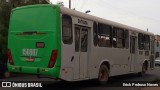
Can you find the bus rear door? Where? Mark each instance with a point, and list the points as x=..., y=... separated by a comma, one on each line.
x=133, y=52
x=81, y=55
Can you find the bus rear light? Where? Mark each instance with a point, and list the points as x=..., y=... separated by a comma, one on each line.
x=10, y=59
x=53, y=59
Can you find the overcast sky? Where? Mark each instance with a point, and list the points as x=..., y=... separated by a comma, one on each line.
x=140, y=14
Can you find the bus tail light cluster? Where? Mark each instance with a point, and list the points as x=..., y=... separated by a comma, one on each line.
x=10, y=59
x=53, y=58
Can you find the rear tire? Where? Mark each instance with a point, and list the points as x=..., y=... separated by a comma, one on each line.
x=144, y=69
x=103, y=74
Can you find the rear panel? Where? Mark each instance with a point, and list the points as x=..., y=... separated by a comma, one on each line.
x=34, y=36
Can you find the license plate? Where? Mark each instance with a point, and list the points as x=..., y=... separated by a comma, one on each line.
x=29, y=59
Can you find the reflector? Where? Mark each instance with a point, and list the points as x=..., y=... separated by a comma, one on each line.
x=40, y=45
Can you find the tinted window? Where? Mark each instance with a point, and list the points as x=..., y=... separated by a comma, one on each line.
x=126, y=37
x=132, y=44
x=84, y=39
x=77, y=39
x=118, y=38
x=104, y=35
x=140, y=41
x=67, y=29
x=146, y=42
x=95, y=36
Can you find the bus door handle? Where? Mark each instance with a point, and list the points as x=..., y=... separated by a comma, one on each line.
x=72, y=58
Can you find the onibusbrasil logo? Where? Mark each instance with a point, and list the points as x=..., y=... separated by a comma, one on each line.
x=20, y=84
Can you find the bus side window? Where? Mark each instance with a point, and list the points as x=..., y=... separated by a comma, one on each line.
x=126, y=37
x=146, y=42
x=95, y=34
x=118, y=38
x=77, y=39
x=114, y=37
x=67, y=29
x=140, y=41
x=104, y=35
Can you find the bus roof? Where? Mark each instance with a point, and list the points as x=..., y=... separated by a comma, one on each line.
x=33, y=6
x=71, y=12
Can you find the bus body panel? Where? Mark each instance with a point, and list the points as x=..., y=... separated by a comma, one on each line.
x=121, y=58
x=76, y=63
x=34, y=33
x=45, y=28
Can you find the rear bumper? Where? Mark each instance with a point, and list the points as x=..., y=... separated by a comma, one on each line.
x=53, y=72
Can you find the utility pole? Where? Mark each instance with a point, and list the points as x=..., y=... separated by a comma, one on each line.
x=70, y=4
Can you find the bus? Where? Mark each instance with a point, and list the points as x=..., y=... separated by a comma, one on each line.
x=61, y=43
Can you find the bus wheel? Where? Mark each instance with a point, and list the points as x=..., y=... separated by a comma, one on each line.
x=103, y=74
x=143, y=72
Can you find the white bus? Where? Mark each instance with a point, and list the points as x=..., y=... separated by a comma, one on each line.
x=103, y=48
x=70, y=45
